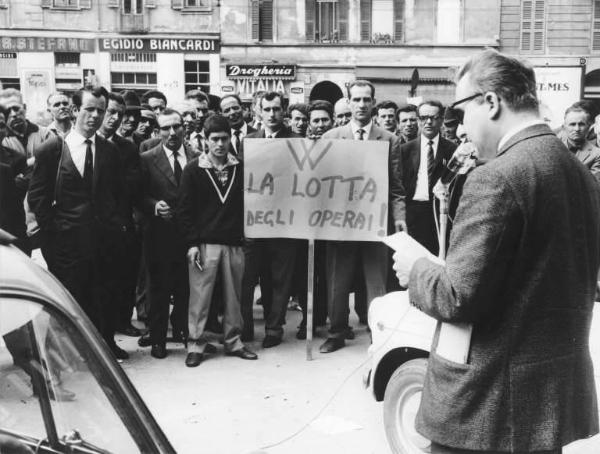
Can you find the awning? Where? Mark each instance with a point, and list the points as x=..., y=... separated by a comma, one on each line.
x=428, y=75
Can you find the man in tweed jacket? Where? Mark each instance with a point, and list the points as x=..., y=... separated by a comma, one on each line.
x=521, y=268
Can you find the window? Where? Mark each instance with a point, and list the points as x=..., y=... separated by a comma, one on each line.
x=133, y=6
x=67, y=59
x=132, y=80
x=196, y=3
x=197, y=75
x=147, y=57
x=596, y=26
x=399, y=20
x=533, y=23
x=326, y=20
x=262, y=20
x=420, y=18
x=65, y=3
x=365, y=20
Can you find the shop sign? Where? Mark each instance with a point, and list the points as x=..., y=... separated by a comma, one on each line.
x=557, y=88
x=283, y=72
x=36, y=87
x=246, y=87
x=67, y=72
x=46, y=44
x=196, y=45
x=8, y=55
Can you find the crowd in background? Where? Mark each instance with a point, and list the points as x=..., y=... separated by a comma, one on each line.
x=137, y=207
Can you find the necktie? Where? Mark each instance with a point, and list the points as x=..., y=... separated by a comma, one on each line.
x=176, y=167
x=361, y=134
x=430, y=162
x=236, y=140
x=88, y=167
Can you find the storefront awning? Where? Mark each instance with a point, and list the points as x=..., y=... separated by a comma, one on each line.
x=429, y=75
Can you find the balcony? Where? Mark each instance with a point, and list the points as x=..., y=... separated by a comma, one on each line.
x=133, y=23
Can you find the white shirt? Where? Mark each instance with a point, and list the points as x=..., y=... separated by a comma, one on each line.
x=181, y=158
x=422, y=189
x=511, y=132
x=366, y=128
x=243, y=133
x=78, y=147
x=271, y=134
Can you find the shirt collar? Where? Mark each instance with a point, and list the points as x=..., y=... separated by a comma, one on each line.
x=169, y=152
x=366, y=128
x=435, y=141
x=243, y=129
x=77, y=139
x=520, y=127
x=205, y=163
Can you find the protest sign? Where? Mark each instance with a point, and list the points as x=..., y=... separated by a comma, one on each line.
x=315, y=189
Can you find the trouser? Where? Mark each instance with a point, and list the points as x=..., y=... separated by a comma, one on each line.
x=421, y=224
x=126, y=274
x=165, y=279
x=343, y=258
x=229, y=261
x=440, y=449
x=319, y=279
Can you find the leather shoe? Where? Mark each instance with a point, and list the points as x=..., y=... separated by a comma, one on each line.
x=119, y=352
x=243, y=353
x=158, y=351
x=332, y=344
x=210, y=349
x=130, y=331
x=145, y=340
x=193, y=359
x=271, y=341
x=350, y=333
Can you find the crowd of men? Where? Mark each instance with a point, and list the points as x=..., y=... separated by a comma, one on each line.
x=138, y=204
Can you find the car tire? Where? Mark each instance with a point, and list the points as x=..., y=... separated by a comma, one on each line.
x=400, y=404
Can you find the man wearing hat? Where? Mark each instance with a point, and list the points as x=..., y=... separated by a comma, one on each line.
x=146, y=125
x=132, y=115
x=450, y=126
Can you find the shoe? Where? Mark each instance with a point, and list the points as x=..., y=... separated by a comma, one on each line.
x=158, y=351
x=193, y=359
x=350, y=333
x=301, y=334
x=243, y=353
x=145, y=340
x=118, y=352
x=130, y=331
x=210, y=349
x=332, y=344
x=271, y=341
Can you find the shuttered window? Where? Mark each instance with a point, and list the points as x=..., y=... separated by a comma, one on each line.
x=326, y=21
x=533, y=24
x=365, y=20
x=343, y=11
x=261, y=12
x=309, y=13
x=398, y=21
x=596, y=26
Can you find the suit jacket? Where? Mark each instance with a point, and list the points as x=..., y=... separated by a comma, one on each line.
x=589, y=155
x=129, y=160
x=12, y=214
x=522, y=268
x=46, y=184
x=284, y=133
x=411, y=159
x=148, y=144
x=396, y=186
x=162, y=238
x=240, y=152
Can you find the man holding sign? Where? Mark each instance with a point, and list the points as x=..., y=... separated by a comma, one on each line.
x=344, y=256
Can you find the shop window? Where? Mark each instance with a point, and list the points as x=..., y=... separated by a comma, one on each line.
x=133, y=6
x=262, y=19
x=143, y=57
x=596, y=26
x=326, y=20
x=197, y=75
x=8, y=82
x=132, y=80
x=67, y=59
x=533, y=23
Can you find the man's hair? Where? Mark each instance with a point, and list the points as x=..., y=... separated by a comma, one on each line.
x=406, y=108
x=321, y=105
x=53, y=94
x=10, y=93
x=116, y=97
x=198, y=95
x=232, y=95
x=361, y=83
x=3, y=111
x=386, y=105
x=216, y=123
x=582, y=106
x=184, y=106
x=168, y=111
x=433, y=103
x=153, y=94
x=270, y=96
x=511, y=79
x=96, y=92
x=300, y=107
x=257, y=96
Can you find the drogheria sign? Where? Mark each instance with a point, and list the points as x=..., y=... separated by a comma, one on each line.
x=282, y=72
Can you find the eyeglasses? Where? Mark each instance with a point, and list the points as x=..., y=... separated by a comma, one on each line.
x=426, y=118
x=168, y=128
x=460, y=114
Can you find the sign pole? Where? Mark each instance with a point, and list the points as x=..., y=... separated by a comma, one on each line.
x=309, y=298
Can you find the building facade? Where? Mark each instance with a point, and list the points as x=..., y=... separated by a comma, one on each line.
x=48, y=45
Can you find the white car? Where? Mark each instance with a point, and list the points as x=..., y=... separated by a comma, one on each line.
x=402, y=337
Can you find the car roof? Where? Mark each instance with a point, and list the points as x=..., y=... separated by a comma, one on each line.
x=19, y=275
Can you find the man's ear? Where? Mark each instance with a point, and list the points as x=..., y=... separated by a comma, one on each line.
x=492, y=102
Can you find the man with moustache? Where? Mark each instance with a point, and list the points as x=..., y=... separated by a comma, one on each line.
x=521, y=269
x=342, y=112
x=163, y=242
x=146, y=125
x=278, y=253
x=408, y=124
x=423, y=161
x=74, y=193
x=386, y=116
x=59, y=106
x=128, y=250
x=231, y=108
x=576, y=127
x=345, y=258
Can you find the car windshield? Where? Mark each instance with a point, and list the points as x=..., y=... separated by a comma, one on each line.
x=48, y=382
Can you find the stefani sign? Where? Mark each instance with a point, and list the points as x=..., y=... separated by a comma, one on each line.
x=324, y=189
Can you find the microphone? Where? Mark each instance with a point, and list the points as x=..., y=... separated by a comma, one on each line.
x=463, y=159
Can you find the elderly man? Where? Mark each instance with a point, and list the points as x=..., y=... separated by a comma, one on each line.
x=59, y=106
x=521, y=270
x=576, y=127
x=231, y=108
x=342, y=112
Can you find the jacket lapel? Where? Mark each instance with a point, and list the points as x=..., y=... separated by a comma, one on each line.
x=162, y=163
x=584, y=154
